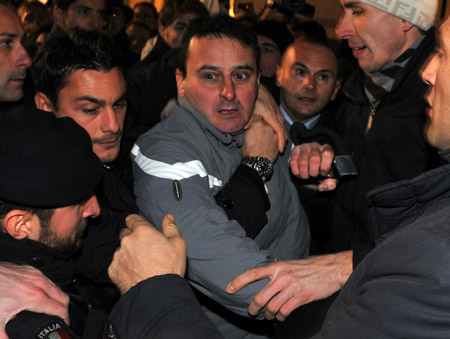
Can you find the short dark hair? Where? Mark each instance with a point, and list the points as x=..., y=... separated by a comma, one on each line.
x=63, y=4
x=221, y=26
x=312, y=29
x=44, y=215
x=30, y=5
x=64, y=53
x=173, y=9
x=149, y=5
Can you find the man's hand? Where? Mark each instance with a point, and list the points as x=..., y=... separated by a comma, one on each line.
x=295, y=283
x=24, y=288
x=310, y=160
x=268, y=110
x=144, y=252
x=260, y=140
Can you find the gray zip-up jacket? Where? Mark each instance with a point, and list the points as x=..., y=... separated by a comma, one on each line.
x=179, y=165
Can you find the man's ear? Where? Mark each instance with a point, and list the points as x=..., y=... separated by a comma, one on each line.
x=336, y=90
x=58, y=16
x=278, y=75
x=42, y=102
x=161, y=30
x=407, y=26
x=180, y=83
x=18, y=224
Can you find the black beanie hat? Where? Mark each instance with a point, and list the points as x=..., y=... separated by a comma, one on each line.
x=45, y=162
x=277, y=31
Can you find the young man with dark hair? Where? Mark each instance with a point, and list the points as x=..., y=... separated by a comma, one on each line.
x=145, y=13
x=77, y=75
x=86, y=14
x=172, y=23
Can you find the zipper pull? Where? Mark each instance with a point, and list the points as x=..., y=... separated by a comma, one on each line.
x=370, y=121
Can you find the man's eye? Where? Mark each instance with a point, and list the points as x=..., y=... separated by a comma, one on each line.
x=357, y=12
x=90, y=111
x=120, y=104
x=300, y=72
x=267, y=51
x=242, y=76
x=209, y=76
x=6, y=43
x=323, y=77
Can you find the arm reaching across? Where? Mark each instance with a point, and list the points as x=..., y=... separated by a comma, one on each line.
x=310, y=160
x=145, y=252
x=295, y=282
x=26, y=288
x=148, y=269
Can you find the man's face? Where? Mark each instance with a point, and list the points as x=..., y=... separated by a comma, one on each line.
x=308, y=79
x=173, y=33
x=65, y=229
x=144, y=15
x=96, y=101
x=436, y=73
x=138, y=36
x=221, y=81
x=376, y=38
x=86, y=14
x=14, y=60
x=270, y=56
x=34, y=18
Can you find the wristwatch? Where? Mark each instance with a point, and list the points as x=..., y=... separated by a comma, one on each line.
x=262, y=166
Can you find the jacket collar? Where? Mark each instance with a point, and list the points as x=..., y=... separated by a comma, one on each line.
x=58, y=267
x=397, y=205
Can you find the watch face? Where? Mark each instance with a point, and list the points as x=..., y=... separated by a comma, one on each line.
x=264, y=168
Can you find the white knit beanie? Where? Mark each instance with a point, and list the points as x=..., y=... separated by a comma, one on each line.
x=421, y=13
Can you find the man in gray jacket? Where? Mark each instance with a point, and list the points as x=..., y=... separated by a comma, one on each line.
x=185, y=160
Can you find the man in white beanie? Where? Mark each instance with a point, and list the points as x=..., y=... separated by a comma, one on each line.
x=381, y=117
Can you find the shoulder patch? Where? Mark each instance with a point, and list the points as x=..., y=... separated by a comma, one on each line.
x=52, y=330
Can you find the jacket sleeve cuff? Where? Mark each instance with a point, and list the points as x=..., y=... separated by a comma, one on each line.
x=245, y=200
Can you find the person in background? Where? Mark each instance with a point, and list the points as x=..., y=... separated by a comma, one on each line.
x=146, y=14
x=273, y=39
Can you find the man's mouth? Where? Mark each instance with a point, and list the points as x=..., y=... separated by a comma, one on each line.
x=18, y=80
x=108, y=142
x=357, y=49
x=306, y=99
x=228, y=110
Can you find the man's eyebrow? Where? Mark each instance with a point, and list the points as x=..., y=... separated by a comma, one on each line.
x=123, y=97
x=217, y=68
x=9, y=35
x=91, y=99
x=86, y=8
x=351, y=4
x=324, y=70
x=269, y=44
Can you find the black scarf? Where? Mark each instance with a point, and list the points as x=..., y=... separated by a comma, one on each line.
x=380, y=83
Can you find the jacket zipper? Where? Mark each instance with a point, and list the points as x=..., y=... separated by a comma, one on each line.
x=368, y=128
x=370, y=121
